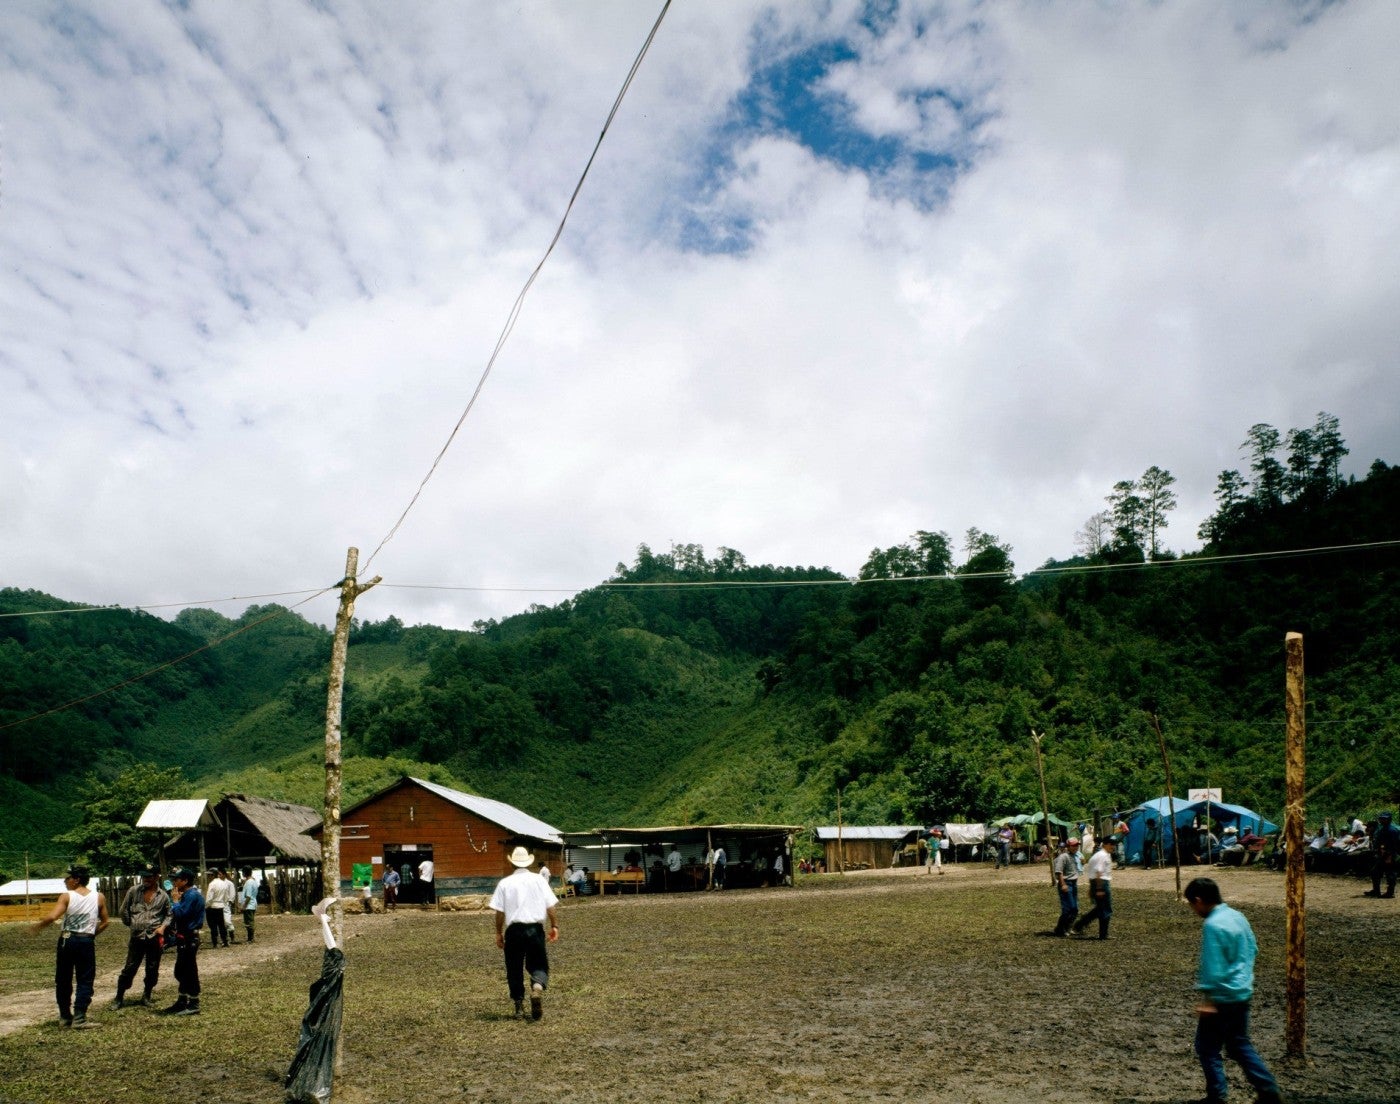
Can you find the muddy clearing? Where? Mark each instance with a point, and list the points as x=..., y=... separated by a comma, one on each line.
x=878, y=986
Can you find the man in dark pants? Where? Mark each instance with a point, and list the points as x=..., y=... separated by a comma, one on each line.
x=1100, y=871
x=84, y=914
x=1385, y=860
x=184, y=925
x=524, y=905
x=1225, y=981
x=145, y=909
x=1067, y=882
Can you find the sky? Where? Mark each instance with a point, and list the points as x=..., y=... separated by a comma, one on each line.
x=840, y=272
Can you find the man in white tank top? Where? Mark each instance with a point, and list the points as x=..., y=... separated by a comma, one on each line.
x=84, y=914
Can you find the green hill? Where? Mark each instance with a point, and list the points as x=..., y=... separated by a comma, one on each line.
x=693, y=688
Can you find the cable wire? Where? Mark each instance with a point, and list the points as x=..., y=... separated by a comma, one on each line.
x=519, y=303
x=201, y=602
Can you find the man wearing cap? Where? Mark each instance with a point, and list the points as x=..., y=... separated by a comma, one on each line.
x=84, y=915
x=145, y=909
x=184, y=924
x=1067, y=867
x=1225, y=980
x=1385, y=856
x=1100, y=871
x=525, y=909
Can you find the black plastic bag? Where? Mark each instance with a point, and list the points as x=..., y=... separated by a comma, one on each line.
x=312, y=1072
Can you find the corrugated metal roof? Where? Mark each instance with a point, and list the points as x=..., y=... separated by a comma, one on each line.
x=497, y=812
x=869, y=831
x=182, y=815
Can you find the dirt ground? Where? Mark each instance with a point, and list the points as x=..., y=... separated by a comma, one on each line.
x=880, y=986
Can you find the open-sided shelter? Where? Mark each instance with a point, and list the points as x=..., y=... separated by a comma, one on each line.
x=252, y=831
x=1171, y=814
x=177, y=819
x=750, y=851
x=467, y=837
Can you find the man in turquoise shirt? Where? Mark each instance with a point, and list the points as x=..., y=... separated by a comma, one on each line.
x=1226, y=983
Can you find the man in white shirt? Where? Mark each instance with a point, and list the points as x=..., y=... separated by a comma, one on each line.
x=425, y=876
x=1099, y=868
x=674, y=861
x=525, y=909
x=217, y=900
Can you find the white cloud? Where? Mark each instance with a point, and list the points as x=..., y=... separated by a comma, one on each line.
x=256, y=257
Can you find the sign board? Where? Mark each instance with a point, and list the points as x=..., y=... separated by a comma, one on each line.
x=1211, y=794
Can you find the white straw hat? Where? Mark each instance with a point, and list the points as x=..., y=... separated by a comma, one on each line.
x=521, y=857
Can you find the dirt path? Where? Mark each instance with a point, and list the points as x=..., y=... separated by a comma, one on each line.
x=276, y=935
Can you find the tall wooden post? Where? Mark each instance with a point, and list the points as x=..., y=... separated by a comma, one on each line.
x=1036, y=737
x=335, y=696
x=1295, y=1031
x=1171, y=804
x=840, y=842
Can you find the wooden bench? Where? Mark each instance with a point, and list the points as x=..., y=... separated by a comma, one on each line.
x=634, y=878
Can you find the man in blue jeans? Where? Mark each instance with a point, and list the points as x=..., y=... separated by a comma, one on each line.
x=1226, y=983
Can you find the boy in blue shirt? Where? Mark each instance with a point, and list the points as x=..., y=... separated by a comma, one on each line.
x=1226, y=983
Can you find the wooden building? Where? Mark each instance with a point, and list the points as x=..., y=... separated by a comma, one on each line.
x=861, y=847
x=466, y=837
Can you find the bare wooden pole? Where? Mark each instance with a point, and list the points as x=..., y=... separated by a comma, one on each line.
x=1171, y=803
x=840, y=842
x=1295, y=1031
x=335, y=697
x=1036, y=737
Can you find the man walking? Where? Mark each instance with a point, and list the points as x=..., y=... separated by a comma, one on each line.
x=1385, y=857
x=184, y=924
x=391, y=888
x=248, y=900
x=1067, y=867
x=1225, y=980
x=145, y=909
x=217, y=902
x=84, y=915
x=1100, y=871
x=523, y=905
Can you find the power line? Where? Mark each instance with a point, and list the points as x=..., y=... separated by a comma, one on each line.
x=514, y=314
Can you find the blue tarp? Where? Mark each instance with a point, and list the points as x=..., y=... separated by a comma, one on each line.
x=1158, y=809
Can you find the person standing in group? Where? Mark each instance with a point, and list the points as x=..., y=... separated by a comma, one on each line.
x=1100, y=871
x=428, y=894
x=1385, y=857
x=719, y=860
x=1086, y=839
x=1067, y=867
x=219, y=896
x=248, y=901
x=524, y=905
x=145, y=909
x=183, y=925
x=84, y=914
x=1225, y=980
x=1005, y=835
x=1120, y=833
x=391, y=889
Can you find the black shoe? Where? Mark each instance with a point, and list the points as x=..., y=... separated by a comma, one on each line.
x=65, y=1021
x=118, y=1003
x=1372, y=893
x=519, y=1009
x=191, y=1009
x=179, y=1006
x=79, y=1020
x=536, y=1001
x=146, y=1001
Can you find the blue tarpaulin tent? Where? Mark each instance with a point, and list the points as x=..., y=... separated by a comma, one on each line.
x=1158, y=809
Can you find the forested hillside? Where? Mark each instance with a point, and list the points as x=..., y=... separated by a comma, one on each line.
x=696, y=688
